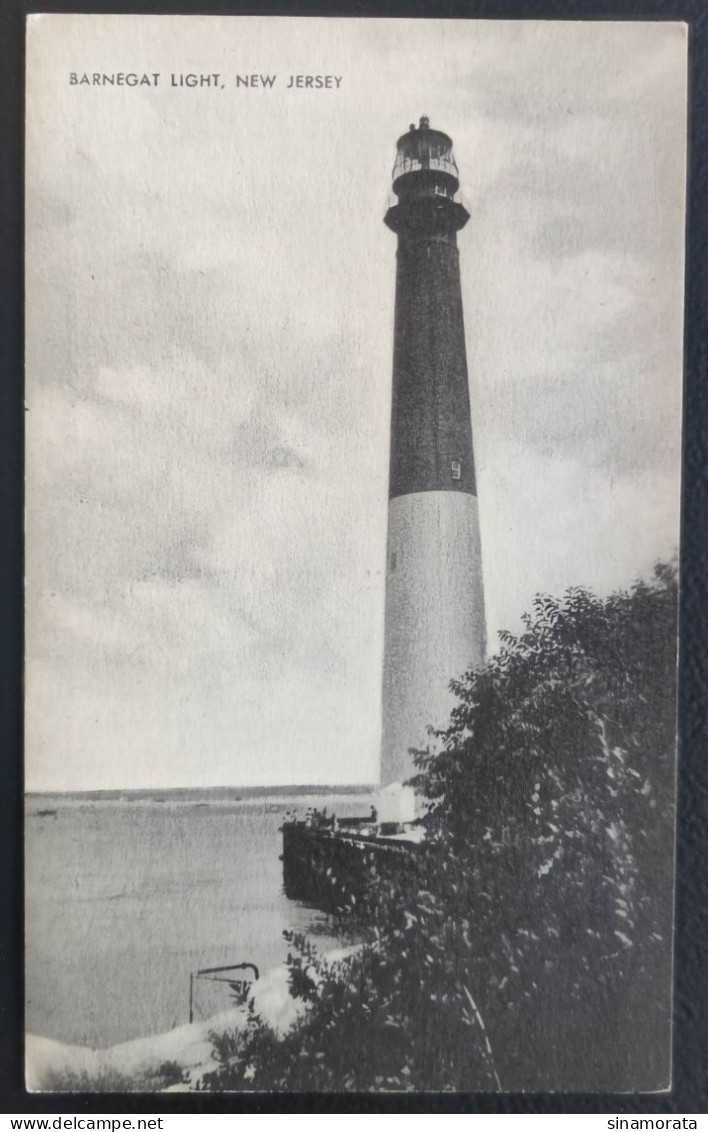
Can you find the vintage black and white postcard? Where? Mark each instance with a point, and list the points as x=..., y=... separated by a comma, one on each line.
x=354, y=370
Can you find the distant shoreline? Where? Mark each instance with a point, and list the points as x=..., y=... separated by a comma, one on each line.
x=225, y=793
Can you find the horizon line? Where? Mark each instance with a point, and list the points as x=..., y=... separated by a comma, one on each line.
x=292, y=788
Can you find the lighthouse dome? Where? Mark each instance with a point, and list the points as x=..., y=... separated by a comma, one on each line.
x=425, y=163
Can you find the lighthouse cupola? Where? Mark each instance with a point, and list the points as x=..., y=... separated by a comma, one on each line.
x=425, y=180
x=425, y=164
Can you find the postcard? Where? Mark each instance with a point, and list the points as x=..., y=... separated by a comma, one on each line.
x=354, y=370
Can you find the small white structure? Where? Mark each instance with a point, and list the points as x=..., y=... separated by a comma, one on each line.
x=396, y=803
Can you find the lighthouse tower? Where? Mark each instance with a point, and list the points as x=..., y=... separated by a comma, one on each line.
x=435, y=627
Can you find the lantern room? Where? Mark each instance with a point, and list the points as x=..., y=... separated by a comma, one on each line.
x=425, y=164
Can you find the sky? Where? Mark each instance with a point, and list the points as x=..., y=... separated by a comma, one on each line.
x=210, y=293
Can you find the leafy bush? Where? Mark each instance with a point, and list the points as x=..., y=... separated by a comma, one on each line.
x=529, y=948
x=553, y=799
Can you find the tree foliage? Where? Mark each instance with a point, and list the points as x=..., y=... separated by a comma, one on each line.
x=530, y=948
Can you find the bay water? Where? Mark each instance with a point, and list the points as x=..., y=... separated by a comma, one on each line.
x=125, y=896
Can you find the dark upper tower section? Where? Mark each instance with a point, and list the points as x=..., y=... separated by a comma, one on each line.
x=431, y=432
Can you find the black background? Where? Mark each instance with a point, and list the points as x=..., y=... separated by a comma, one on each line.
x=690, y=1077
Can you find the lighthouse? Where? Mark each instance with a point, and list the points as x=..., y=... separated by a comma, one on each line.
x=435, y=626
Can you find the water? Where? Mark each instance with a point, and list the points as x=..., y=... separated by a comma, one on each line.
x=125, y=897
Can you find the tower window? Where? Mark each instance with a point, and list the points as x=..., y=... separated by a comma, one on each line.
x=455, y=470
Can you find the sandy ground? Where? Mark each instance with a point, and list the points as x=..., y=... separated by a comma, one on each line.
x=189, y=1045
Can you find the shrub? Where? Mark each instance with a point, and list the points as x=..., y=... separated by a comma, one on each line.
x=529, y=948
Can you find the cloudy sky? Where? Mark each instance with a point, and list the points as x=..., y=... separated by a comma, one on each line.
x=209, y=324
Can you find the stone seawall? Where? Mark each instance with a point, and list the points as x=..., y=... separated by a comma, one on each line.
x=333, y=869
